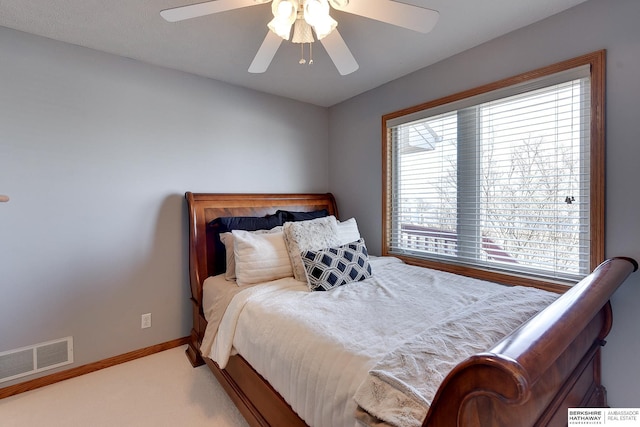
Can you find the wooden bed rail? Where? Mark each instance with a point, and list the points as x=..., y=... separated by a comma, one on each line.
x=550, y=357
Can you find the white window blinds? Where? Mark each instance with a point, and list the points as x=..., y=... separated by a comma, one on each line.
x=499, y=181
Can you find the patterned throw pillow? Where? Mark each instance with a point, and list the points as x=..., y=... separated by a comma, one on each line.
x=310, y=235
x=329, y=268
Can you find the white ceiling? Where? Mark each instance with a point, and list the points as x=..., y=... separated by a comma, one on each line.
x=222, y=46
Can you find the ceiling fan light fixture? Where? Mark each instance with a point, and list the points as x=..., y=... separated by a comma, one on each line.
x=325, y=27
x=315, y=11
x=280, y=27
x=284, y=15
x=285, y=9
x=314, y=16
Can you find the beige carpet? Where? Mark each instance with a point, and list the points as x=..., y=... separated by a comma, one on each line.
x=159, y=390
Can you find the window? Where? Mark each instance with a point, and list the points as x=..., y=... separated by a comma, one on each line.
x=502, y=182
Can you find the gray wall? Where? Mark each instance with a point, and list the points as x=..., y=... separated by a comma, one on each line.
x=355, y=141
x=96, y=152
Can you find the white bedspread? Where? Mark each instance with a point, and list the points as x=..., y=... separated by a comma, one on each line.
x=316, y=348
x=401, y=386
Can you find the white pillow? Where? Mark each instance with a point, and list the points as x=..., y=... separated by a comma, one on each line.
x=227, y=240
x=260, y=257
x=348, y=231
x=311, y=235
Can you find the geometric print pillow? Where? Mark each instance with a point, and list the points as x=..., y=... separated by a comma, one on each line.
x=329, y=268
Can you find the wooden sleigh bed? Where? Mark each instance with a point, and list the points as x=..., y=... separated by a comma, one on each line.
x=530, y=378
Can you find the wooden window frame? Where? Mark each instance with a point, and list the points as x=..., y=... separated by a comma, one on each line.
x=597, y=63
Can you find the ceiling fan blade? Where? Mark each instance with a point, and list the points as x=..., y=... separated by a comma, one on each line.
x=201, y=9
x=266, y=53
x=401, y=14
x=339, y=52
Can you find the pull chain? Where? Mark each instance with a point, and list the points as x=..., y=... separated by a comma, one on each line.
x=302, y=60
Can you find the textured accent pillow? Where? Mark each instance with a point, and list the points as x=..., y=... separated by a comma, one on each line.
x=327, y=269
x=348, y=231
x=260, y=257
x=309, y=235
x=228, y=241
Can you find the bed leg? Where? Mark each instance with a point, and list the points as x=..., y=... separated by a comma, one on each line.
x=598, y=398
x=193, y=354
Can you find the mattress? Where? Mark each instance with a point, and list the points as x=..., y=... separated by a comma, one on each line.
x=317, y=348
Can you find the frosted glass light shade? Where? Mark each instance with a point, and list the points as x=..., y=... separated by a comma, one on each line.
x=285, y=9
x=315, y=11
x=325, y=27
x=280, y=27
x=284, y=15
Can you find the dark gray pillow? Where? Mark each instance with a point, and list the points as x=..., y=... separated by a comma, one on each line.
x=290, y=216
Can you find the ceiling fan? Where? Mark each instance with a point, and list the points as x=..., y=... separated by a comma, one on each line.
x=303, y=15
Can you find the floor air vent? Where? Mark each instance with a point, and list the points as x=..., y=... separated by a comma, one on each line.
x=36, y=358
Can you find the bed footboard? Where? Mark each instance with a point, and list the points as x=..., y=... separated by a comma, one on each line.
x=535, y=374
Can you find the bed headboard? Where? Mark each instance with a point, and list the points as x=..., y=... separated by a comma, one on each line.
x=205, y=207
